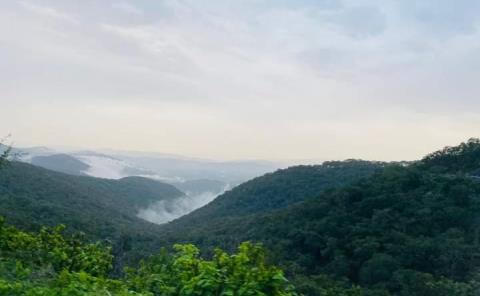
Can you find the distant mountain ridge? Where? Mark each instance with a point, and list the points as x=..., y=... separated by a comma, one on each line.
x=198, y=176
x=63, y=163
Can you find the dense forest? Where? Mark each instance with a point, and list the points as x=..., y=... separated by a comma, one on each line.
x=341, y=228
x=78, y=201
x=284, y=187
x=409, y=229
x=32, y=197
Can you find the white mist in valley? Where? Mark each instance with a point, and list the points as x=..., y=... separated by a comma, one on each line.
x=167, y=210
x=104, y=167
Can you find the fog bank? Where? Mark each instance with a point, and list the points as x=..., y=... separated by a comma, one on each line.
x=166, y=211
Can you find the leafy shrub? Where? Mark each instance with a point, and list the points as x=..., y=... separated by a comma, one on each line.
x=49, y=263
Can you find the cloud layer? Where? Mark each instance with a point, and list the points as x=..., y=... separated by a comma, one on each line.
x=242, y=79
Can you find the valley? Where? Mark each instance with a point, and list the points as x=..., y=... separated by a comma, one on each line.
x=337, y=225
x=239, y=148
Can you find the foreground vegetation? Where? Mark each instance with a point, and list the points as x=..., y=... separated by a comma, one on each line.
x=49, y=263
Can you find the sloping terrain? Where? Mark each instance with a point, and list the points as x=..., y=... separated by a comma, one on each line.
x=280, y=189
x=31, y=196
x=354, y=227
x=405, y=230
x=63, y=163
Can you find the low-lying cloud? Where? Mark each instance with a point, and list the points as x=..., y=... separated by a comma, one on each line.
x=167, y=210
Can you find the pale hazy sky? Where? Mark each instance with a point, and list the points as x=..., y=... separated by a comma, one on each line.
x=273, y=79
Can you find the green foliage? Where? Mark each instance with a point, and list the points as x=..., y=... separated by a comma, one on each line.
x=66, y=284
x=244, y=273
x=414, y=283
x=4, y=153
x=50, y=263
x=288, y=186
x=228, y=215
x=404, y=229
x=344, y=228
x=23, y=185
x=323, y=285
x=50, y=248
x=31, y=197
x=464, y=158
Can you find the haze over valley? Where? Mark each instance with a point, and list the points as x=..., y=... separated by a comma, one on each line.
x=240, y=148
x=200, y=180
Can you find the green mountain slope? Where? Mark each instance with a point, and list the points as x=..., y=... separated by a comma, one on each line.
x=31, y=196
x=221, y=223
x=282, y=188
x=391, y=229
x=406, y=230
x=461, y=159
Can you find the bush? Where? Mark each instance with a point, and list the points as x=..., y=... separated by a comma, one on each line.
x=49, y=263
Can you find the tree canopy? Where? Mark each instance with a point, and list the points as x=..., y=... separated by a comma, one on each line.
x=50, y=263
x=405, y=230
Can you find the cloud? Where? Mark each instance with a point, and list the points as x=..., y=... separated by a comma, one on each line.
x=442, y=18
x=251, y=73
x=128, y=8
x=165, y=211
x=361, y=21
x=48, y=12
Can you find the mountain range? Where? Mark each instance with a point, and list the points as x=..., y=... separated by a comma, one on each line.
x=113, y=164
x=355, y=227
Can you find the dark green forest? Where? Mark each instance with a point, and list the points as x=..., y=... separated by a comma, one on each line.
x=409, y=229
x=341, y=228
x=32, y=197
x=285, y=187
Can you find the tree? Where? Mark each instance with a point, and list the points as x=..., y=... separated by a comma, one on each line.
x=4, y=152
x=185, y=273
x=51, y=263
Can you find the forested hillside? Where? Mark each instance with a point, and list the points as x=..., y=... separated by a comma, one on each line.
x=352, y=228
x=463, y=159
x=32, y=197
x=281, y=189
x=50, y=262
x=406, y=230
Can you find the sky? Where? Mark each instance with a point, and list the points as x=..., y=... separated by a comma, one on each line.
x=250, y=79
